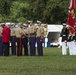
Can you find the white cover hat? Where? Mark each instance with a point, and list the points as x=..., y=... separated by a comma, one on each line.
x=8, y=23
x=64, y=24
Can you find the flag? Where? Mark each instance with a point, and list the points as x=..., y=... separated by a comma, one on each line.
x=71, y=6
x=71, y=21
x=74, y=4
x=71, y=17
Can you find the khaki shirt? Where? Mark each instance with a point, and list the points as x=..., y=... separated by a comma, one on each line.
x=40, y=31
x=32, y=30
x=25, y=33
x=1, y=31
x=19, y=32
x=13, y=32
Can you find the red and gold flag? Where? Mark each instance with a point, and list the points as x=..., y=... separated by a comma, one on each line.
x=71, y=21
x=74, y=3
x=71, y=17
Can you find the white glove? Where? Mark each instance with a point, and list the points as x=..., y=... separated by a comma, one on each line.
x=65, y=41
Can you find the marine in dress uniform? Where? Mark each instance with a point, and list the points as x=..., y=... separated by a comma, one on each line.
x=13, y=39
x=64, y=35
x=39, y=39
x=69, y=42
x=6, y=39
x=25, y=39
x=32, y=39
x=1, y=51
x=19, y=34
x=74, y=44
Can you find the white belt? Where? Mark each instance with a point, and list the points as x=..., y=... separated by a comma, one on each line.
x=64, y=35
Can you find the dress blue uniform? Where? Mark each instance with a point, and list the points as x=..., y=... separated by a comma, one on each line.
x=64, y=35
x=74, y=44
x=69, y=42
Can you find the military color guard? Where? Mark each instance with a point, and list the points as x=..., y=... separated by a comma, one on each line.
x=68, y=40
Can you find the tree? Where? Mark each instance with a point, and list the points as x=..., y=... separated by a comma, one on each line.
x=19, y=11
x=36, y=8
x=47, y=11
x=56, y=11
x=5, y=7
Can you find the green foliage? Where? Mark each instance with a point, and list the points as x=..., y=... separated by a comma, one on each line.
x=37, y=8
x=57, y=12
x=4, y=10
x=19, y=12
x=5, y=7
x=48, y=11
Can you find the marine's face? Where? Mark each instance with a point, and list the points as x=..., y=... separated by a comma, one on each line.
x=64, y=26
x=31, y=24
x=21, y=26
x=13, y=26
x=8, y=25
x=39, y=24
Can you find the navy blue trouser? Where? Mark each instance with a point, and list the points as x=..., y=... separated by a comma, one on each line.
x=1, y=51
x=25, y=45
x=13, y=45
x=32, y=41
x=39, y=46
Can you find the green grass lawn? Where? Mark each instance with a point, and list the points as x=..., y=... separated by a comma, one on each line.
x=52, y=63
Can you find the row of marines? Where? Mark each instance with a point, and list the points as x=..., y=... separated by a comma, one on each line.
x=19, y=38
x=68, y=40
